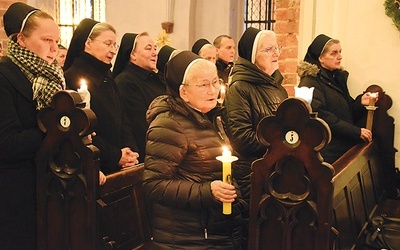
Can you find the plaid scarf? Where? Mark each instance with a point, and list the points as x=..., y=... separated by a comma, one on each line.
x=46, y=78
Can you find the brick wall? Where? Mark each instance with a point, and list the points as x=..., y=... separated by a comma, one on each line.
x=3, y=38
x=287, y=30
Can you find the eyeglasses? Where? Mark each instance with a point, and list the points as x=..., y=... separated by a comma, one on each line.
x=271, y=50
x=205, y=85
x=109, y=44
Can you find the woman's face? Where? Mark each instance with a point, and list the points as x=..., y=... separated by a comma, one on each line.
x=202, y=91
x=267, y=54
x=209, y=53
x=145, y=53
x=61, y=55
x=43, y=41
x=332, y=58
x=103, y=47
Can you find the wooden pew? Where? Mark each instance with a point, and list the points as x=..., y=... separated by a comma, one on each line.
x=291, y=188
x=121, y=211
x=364, y=179
x=73, y=212
x=67, y=176
x=292, y=207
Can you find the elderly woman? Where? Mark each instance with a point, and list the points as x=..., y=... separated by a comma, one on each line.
x=321, y=69
x=139, y=83
x=29, y=77
x=254, y=93
x=89, y=58
x=182, y=175
x=205, y=49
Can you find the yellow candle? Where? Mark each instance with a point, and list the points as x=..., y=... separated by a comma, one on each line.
x=226, y=160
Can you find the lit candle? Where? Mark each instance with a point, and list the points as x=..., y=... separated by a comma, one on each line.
x=222, y=94
x=84, y=93
x=372, y=98
x=371, y=109
x=226, y=158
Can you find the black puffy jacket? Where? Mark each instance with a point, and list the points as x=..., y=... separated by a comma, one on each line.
x=333, y=103
x=180, y=164
x=252, y=95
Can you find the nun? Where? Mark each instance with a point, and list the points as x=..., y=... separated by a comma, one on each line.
x=138, y=82
x=322, y=70
x=205, y=49
x=29, y=77
x=182, y=177
x=92, y=48
x=255, y=92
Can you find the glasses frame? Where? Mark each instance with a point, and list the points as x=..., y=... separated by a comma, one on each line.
x=206, y=86
x=109, y=45
x=272, y=50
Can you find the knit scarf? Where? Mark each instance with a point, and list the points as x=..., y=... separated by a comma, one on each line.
x=46, y=78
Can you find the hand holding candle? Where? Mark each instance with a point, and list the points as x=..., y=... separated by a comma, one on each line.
x=84, y=93
x=226, y=158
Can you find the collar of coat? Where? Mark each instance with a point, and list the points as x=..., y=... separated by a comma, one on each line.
x=141, y=72
x=167, y=103
x=244, y=70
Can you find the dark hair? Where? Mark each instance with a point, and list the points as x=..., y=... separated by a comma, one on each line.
x=217, y=41
x=33, y=21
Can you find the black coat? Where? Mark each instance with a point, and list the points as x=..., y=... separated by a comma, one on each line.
x=223, y=69
x=252, y=95
x=333, y=103
x=20, y=137
x=112, y=130
x=180, y=165
x=137, y=89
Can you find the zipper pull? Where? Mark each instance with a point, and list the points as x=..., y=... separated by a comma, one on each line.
x=205, y=233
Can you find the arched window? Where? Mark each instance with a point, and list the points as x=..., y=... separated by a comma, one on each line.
x=71, y=12
x=259, y=14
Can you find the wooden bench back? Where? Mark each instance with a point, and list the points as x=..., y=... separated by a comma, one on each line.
x=291, y=188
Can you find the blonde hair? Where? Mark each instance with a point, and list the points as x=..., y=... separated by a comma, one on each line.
x=328, y=45
x=33, y=22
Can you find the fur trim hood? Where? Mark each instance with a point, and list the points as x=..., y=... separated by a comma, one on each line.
x=307, y=69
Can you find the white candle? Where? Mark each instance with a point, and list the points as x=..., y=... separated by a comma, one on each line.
x=372, y=98
x=222, y=94
x=84, y=93
x=226, y=158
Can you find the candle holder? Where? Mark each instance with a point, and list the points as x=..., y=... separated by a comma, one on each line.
x=226, y=158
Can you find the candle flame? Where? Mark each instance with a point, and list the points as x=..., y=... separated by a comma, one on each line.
x=83, y=85
x=223, y=89
x=226, y=151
